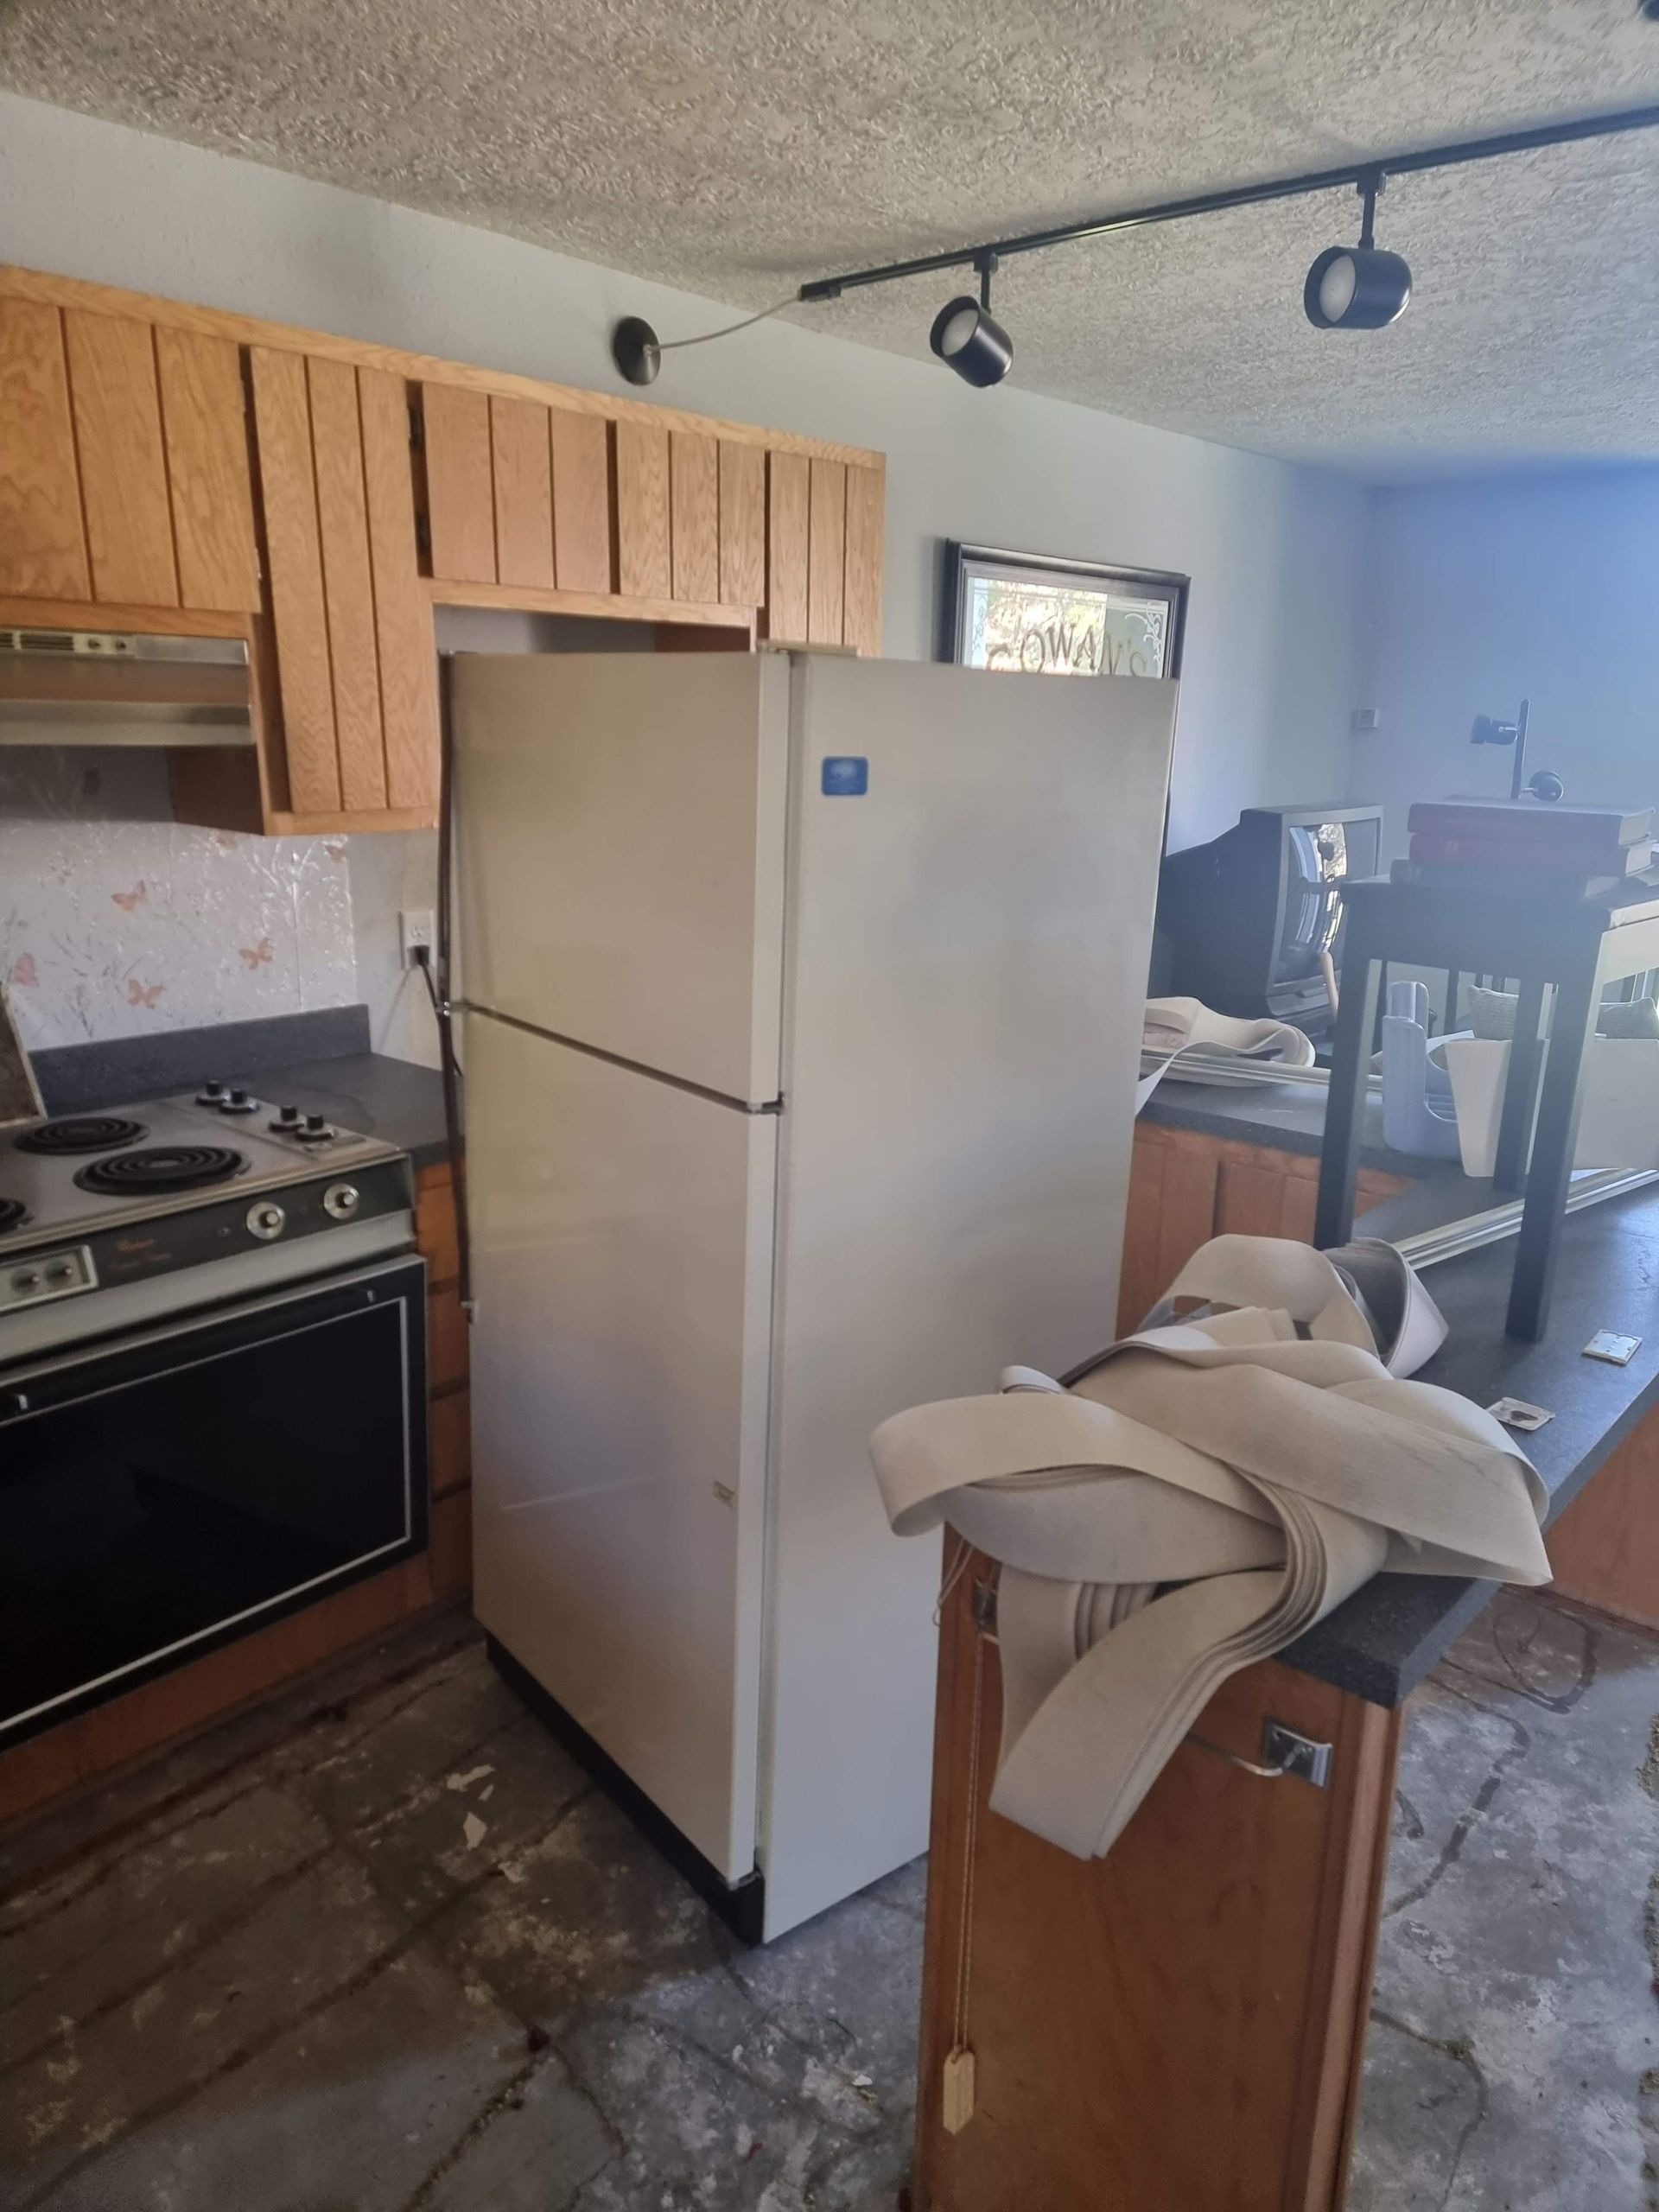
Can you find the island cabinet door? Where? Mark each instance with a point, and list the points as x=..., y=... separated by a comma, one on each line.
x=1177, y=2026
x=350, y=623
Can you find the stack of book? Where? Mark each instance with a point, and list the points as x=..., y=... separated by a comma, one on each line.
x=1523, y=848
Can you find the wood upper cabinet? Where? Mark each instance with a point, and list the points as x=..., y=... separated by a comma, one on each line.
x=352, y=628
x=518, y=498
x=125, y=472
x=182, y=467
x=42, y=538
x=205, y=438
x=824, y=554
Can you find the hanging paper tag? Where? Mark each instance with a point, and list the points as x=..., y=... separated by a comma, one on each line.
x=958, y=2089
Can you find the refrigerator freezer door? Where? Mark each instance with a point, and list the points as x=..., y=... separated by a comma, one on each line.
x=619, y=846
x=622, y=1259
x=969, y=944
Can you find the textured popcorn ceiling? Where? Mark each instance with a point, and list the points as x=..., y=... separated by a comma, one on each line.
x=736, y=146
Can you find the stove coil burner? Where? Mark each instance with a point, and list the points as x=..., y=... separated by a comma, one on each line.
x=160, y=1168
x=82, y=1133
x=13, y=1214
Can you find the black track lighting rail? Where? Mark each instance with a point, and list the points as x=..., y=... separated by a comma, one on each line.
x=1366, y=176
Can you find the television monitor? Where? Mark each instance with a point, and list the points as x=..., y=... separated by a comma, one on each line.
x=1244, y=920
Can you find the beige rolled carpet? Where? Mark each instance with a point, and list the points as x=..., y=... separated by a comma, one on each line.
x=1197, y=1498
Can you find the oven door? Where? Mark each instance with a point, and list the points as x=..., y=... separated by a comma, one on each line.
x=173, y=1489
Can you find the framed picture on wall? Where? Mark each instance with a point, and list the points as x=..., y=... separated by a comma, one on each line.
x=1045, y=616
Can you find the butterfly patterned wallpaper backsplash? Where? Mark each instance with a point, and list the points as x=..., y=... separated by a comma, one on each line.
x=114, y=919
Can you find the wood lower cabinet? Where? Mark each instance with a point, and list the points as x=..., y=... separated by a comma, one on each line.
x=1604, y=1548
x=164, y=465
x=1185, y=1188
x=132, y=1728
x=1177, y=2026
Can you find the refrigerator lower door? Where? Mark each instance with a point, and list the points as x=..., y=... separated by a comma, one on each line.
x=622, y=1233
x=969, y=932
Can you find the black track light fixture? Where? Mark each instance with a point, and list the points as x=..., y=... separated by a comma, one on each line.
x=1349, y=286
x=967, y=339
x=1359, y=287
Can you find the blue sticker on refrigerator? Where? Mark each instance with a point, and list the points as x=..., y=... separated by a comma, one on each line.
x=845, y=775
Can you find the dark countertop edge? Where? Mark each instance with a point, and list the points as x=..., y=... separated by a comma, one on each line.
x=1445, y=1607
x=320, y=1061
x=1382, y=1641
x=1278, y=1117
x=399, y=1100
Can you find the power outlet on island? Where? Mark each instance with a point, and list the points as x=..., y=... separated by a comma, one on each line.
x=415, y=933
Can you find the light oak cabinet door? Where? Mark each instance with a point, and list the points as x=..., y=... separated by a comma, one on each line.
x=742, y=525
x=43, y=538
x=402, y=613
x=521, y=456
x=205, y=434
x=823, y=552
x=694, y=507
x=282, y=410
x=347, y=585
x=459, y=483
x=352, y=625
x=581, y=501
x=117, y=410
x=125, y=479
x=867, y=490
x=644, y=565
x=789, y=521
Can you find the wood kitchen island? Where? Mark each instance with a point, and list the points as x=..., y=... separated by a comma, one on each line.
x=1179, y=2027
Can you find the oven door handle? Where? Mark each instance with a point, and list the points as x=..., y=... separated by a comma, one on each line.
x=31, y=1389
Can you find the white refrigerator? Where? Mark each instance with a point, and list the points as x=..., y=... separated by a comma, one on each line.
x=803, y=1015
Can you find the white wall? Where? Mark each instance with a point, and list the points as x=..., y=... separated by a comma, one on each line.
x=1480, y=593
x=1275, y=552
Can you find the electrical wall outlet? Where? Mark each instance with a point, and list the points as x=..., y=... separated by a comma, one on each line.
x=416, y=932
x=1363, y=718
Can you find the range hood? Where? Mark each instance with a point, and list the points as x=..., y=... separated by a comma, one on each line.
x=100, y=687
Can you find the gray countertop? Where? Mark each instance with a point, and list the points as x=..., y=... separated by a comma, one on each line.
x=366, y=1092
x=319, y=1062
x=1383, y=1642
x=1288, y=1117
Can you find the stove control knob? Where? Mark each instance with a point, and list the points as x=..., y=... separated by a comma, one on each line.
x=315, y=1129
x=288, y=1114
x=239, y=1101
x=211, y=1094
x=62, y=1271
x=27, y=1279
x=341, y=1200
x=266, y=1219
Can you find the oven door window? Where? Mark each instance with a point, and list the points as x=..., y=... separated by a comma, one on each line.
x=172, y=1491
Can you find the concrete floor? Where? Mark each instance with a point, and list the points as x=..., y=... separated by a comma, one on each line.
x=380, y=1947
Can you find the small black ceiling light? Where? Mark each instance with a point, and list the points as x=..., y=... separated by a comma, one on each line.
x=966, y=339
x=636, y=350
x=1359, y=287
